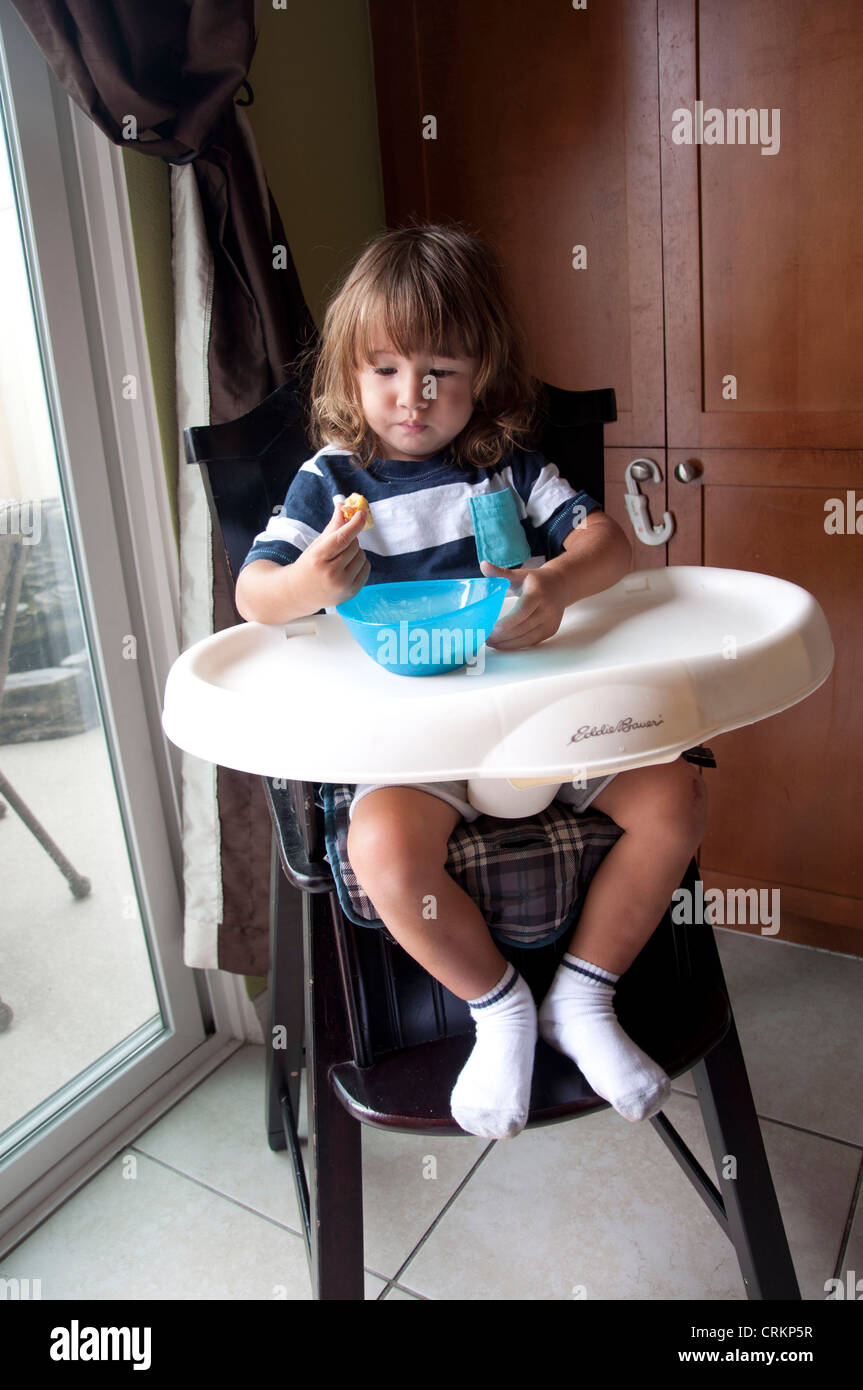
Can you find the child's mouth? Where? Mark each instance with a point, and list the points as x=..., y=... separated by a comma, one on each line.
x=411, y=429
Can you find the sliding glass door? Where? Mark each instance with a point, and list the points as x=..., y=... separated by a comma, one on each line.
x=95, y=1003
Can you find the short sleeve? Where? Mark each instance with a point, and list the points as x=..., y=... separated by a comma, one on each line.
x=305, y=513
x=553, y=506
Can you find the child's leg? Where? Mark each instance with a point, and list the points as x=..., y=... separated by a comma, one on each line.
x=397, y=845
x=662, y=811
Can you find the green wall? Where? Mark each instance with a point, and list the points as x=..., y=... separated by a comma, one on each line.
x=315, y=124
x=314, y=120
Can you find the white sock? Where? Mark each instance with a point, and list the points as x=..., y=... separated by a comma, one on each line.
x=577, y=1017
x=492, y=1094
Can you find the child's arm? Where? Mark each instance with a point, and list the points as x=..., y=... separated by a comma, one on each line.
x=596, y=555
x=329, y=571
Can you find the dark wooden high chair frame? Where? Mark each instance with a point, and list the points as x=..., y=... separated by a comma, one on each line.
x=384, y=1042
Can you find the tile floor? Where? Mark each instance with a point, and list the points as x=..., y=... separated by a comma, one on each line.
x=200, y=1208
x=56, y=951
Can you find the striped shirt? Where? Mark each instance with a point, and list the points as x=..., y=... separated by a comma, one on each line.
x=422, y=513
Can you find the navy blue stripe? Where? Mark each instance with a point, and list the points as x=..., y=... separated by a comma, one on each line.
x=281, y=552
x=501, y=993
x=591, y=974
x=560, y=523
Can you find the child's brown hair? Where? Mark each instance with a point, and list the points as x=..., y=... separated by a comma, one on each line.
x=429, y=286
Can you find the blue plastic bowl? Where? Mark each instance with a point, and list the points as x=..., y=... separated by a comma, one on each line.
x=424, y=627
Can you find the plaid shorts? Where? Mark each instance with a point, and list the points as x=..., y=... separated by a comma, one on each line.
x=527, y=877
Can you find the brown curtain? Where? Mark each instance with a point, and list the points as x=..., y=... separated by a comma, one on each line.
x=164, y=78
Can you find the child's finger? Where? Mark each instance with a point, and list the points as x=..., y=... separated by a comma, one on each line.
x=338, y=533
x=516, y=577
x=336, y=520
x=356, y=565
x=523, y=616
x=531, y=638
x=522, y=634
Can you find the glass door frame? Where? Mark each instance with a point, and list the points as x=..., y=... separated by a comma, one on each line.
x=80, y=253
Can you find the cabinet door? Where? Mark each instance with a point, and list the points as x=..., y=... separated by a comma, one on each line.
x=762, y=249
x=538, y=125
x=785, y=799
x=764, y=321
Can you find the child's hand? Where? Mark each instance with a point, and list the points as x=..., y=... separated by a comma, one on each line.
x=538, y=613
x=334, y=567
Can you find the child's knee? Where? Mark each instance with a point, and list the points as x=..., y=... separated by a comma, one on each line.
x=686, y=804
x=672, y=803
x=391, y=856
x=368, y=848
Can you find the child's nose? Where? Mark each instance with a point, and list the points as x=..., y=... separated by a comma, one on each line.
x=411, y=390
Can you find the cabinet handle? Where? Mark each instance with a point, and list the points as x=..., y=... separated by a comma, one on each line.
x=637, y=507
x=687, y=471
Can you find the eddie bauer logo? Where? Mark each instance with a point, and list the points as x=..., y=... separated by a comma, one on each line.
x=623, y=726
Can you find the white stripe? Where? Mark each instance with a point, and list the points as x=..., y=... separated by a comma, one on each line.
x=420, y=520
x=311, y=466
x=508, y=481
x=283, y=528
x=548, y=493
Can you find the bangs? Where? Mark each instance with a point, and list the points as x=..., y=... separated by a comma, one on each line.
x=411, y=318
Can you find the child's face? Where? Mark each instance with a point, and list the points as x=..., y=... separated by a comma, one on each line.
x=416, y=405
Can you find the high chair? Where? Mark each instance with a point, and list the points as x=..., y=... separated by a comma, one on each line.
x=384, y=1042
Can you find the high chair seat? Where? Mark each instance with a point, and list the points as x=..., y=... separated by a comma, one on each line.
x=408, y=1088
x=676, y=1014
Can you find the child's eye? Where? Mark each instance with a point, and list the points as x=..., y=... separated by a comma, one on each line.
x=432, y=371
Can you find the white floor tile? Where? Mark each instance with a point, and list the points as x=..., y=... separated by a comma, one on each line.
x=217, y=1136
x=814, y=1180
x=597, y=1209
x=798, y=1017
x=590, y=1209
x=157, y=1235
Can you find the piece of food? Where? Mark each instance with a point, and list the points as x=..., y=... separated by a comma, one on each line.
x=357, y=503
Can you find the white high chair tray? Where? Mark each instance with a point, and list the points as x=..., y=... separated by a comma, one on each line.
x=635, y=676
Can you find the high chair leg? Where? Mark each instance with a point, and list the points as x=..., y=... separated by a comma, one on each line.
x=335, y=1138
x=755, y=1225
x=287, y=998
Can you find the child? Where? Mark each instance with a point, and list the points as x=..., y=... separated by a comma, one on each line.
x=422, y=400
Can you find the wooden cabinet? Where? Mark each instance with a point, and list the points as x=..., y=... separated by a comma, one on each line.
x=719, y=292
